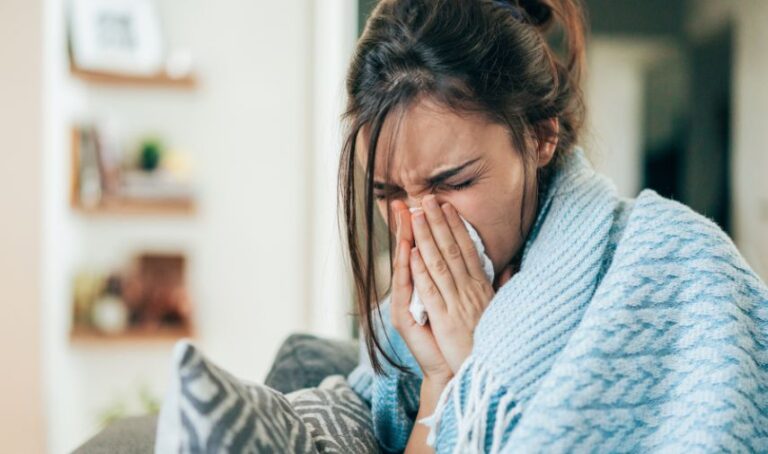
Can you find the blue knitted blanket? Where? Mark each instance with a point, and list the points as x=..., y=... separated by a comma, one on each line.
x=633, y=325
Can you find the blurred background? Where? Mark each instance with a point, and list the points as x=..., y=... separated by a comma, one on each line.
x=169, y=168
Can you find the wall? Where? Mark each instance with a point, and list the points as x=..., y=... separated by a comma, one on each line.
x=750, y=156
x=329, y=289
x=21, y=43
x=614, y=95
x=750, y=109
x=246, y=127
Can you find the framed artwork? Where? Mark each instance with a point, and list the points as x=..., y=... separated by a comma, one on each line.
x=117, y=36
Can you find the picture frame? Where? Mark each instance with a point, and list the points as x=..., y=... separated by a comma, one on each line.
x=116, y=36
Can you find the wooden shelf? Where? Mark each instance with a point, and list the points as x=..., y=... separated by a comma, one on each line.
x=129, y=207
x=87, y=335
x=118, y=205
x=156, y=80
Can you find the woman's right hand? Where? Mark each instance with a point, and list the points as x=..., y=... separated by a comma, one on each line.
x=419, y=339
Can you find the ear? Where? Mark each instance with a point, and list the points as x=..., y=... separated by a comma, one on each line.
x=546, y=150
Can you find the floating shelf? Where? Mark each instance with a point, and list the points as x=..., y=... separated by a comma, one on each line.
x=124, y=206
x=88, y=335
x=158, y=80
x=113, y=204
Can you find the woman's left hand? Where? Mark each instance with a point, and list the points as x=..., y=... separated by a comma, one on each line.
x=448, y=275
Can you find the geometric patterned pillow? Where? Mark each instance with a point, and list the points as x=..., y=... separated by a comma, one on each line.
x=208, y=410
x=340, y=422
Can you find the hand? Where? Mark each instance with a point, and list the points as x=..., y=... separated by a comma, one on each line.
x=419, y=339
x=449, y=277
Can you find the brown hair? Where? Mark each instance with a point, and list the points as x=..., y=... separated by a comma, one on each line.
x=485, y=56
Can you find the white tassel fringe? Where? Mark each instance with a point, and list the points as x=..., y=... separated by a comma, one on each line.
x=472, y=419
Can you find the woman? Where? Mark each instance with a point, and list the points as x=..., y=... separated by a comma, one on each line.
x=611, y=324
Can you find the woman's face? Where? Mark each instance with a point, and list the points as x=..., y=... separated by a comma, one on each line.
x=485, y=173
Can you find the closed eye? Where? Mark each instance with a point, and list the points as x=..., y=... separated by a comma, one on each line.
x=460, y=186
x=452, y=187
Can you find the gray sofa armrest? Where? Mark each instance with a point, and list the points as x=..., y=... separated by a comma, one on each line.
x=131, y=435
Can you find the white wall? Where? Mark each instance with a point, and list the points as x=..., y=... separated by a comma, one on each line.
x=21, y=417
x=334, y=36
x=247, y=127
x=750, y=140
x=614, y=96
x=750, y=110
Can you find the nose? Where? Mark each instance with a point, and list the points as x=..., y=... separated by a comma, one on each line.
x=417, y=202
x=412, y=203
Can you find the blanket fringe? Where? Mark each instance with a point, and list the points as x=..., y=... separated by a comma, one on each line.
x=472, y=418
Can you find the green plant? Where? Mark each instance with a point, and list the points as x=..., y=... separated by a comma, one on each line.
x=119, y=408
x=150, y=402
x=112, y=413
x=150, y=154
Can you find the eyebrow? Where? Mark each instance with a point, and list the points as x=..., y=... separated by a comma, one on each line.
x=437, y=178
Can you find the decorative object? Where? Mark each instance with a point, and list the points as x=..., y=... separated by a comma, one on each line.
x=150, y=154
x=146, y=299
x=155, y=291
x=89, y=171
x=110, y=315
x=88, y=286
x=116, y=36
x=152, y=179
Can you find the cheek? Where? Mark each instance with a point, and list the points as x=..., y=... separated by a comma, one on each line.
x=483, y=206
x=496, y=216
x=469, y=204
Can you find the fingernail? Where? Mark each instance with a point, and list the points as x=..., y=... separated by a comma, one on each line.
x=418, y=217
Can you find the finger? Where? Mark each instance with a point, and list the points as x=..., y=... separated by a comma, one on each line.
x=406, y=231
x=468, y=250
x=403, y=219
x=436, y=265
x=402, y=287
x=444, y=238
x=395, y=207
x=425, y=286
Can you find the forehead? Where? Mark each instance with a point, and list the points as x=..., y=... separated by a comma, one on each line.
x=424, y=137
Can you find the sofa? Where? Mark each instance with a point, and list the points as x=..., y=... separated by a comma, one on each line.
x=302, y=361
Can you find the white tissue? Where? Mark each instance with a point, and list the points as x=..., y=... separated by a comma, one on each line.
x=416, y=307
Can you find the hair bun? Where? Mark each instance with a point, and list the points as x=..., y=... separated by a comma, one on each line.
x=539, y=12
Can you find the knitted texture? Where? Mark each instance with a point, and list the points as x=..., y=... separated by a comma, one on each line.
x=632, y=325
